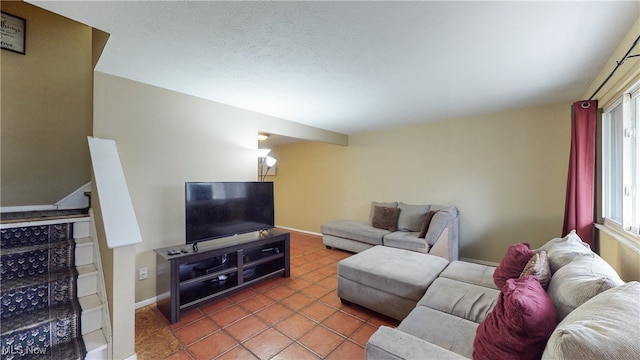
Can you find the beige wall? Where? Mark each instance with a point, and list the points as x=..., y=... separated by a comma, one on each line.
x=506, y=172
x=165, y=138
x=622, y=254
x=46, y=109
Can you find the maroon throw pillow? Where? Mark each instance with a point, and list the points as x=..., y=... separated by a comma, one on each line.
x=512, y=264
x=519, y=325
x=425, y=224
x=385, y=218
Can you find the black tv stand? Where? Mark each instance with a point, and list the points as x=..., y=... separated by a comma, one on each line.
x=216, y=268
x=194, y=246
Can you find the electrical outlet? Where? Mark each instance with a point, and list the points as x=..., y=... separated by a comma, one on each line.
x=143, y=273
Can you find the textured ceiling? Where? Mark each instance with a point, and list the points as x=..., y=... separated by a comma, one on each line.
x=357, y=66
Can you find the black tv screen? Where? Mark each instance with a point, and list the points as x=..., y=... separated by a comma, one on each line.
x=220, y=209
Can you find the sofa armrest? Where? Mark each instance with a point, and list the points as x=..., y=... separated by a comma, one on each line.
x=389, y=343
x=445, y=225
x=443, y=240
x=445, y=247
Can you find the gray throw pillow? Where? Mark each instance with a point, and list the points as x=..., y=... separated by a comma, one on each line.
x=411, y=216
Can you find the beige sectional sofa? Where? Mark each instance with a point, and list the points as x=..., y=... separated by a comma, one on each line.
x=594, y=314
x=440, y=239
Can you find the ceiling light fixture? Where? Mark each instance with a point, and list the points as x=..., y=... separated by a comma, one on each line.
x=263, y=137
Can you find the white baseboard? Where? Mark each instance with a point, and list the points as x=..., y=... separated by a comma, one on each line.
x=147, y=302
x=298, y=230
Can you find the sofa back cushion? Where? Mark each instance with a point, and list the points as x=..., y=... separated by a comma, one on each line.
x=578, y=281
x=604, y=327
x=578, y=273
x=519, y=325
x=411, y=216
x=561, y=251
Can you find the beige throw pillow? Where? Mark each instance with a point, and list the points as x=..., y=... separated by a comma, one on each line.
x=538, y=266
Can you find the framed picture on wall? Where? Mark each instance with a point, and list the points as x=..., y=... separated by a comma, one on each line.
x=13, y=33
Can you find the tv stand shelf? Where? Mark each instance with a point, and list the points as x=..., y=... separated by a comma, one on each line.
x=219, y=267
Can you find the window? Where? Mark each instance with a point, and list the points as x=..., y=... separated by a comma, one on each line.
x=621, y=161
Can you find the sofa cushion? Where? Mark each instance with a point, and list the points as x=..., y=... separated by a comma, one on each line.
x=512, y=264
x=562, y=251
x=401, y=272
x=355, y=230
x=538, y=266
x=426, y=222
x=580, y=280
x=377, y=203
x=411, y=216
x=385, y=218
x=468, y=301
x=388, y=343
x=447, y=331
x=439, y=222
x=405, y=240
x=604, y=327
x=471, y=273
x=519, y=325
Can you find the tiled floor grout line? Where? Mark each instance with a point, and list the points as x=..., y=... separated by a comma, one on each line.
x=317, y=323
x=274, y=325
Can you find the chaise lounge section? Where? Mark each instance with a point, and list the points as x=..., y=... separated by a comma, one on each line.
x=430, y=228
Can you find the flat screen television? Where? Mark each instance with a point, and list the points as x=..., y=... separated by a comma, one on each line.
x=219, y=209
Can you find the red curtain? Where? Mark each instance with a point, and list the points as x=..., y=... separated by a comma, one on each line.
x=579, y=206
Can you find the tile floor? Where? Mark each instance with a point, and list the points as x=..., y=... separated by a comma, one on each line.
x=300, y=317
